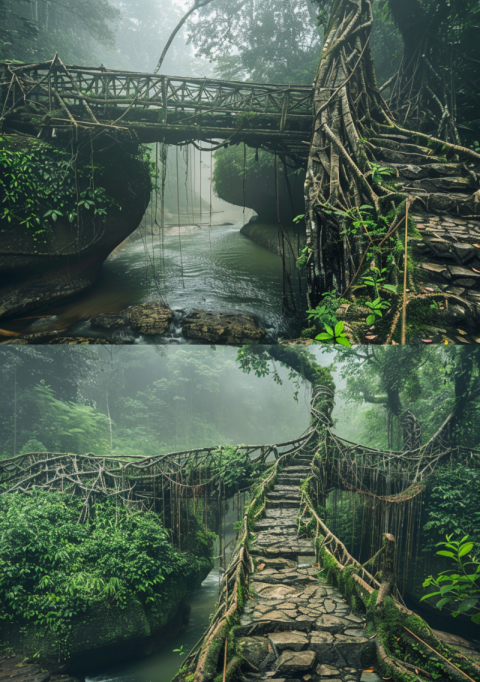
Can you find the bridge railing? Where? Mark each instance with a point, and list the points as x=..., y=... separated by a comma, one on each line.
x=99, y=89
x=132, y=479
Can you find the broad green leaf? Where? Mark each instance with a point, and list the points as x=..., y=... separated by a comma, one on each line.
x=465, y=549
x=344, y=341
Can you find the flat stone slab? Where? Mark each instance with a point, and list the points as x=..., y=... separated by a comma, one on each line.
x=294, y=640
x=254, y=649
x=325, y=670
x=322, y=643
x=295, y=661
x=330, y=623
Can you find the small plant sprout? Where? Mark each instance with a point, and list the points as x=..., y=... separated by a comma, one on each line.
x=179, y=651
x=304, y=256
x=335, y=335
x=379, y=172
x=376, y=307
x=298, y=218
x=460, y=586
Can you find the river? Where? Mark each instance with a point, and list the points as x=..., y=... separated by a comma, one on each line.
x=216, y=269
x=162, y=665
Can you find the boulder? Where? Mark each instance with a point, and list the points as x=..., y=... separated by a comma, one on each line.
x=150, y=318
x=68, y=256
x=209, y=327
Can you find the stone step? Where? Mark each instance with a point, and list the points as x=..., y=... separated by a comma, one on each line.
x=290, y=479
x=287, y=488
x=281, y=514
x=292, y=469
x=429, y=170
x=284, y=494
x=288, y=551
x=284, y=503
x=401, y=146
x=406, y=158
x=448, y=184
x=267, y=524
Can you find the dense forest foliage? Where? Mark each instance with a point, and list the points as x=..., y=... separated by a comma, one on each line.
x=139, y=401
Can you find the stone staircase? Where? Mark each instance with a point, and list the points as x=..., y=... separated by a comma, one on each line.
x=294, y=625
x=447, y=253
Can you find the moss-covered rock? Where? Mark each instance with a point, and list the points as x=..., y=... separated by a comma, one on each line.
x=46, y=258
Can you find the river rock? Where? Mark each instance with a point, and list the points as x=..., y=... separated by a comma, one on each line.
x=150, y=318
x=110, y=321
x=292, y=640
x=325, y=670
x=254, y=649
x=295, y=661
x=211, y=327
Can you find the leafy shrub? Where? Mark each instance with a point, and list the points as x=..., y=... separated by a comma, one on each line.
x=460, y=586
x=53, y=568
x=453, y=504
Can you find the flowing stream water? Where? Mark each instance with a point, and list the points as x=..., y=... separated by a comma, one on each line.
x=213, y=269
x=163, y=664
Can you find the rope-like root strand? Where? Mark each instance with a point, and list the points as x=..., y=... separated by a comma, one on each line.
x=417, y=297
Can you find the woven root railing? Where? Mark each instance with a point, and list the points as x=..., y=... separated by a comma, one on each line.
x=203, y=661
x=407, y=649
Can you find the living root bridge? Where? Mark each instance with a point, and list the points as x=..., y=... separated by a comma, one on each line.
x=217, y=648
x=139, y=480
x=404, y=643
x=50, y=98
x=267, y=592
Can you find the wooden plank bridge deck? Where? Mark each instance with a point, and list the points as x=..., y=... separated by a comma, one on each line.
x=157, y=108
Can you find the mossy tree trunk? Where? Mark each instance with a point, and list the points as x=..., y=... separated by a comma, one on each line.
x=347, y=103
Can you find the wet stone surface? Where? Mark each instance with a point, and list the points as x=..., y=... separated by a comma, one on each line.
x=308, y=630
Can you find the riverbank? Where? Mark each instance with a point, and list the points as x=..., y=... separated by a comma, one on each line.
x=215, y=270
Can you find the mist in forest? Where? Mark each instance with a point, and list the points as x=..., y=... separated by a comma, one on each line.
x=142, y=400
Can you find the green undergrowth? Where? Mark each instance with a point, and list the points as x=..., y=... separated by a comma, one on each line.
x=57, y=574
x=388, y=626
x=41, y=183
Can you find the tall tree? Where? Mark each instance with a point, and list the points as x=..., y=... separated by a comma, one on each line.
x=33, y=30
x=258, y=40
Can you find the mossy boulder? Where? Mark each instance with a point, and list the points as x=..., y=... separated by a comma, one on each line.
x=47, y=260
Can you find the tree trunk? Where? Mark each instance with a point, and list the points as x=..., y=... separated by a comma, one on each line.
x=347, y=103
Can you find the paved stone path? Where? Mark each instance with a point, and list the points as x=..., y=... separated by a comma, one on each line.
x=295, y=626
